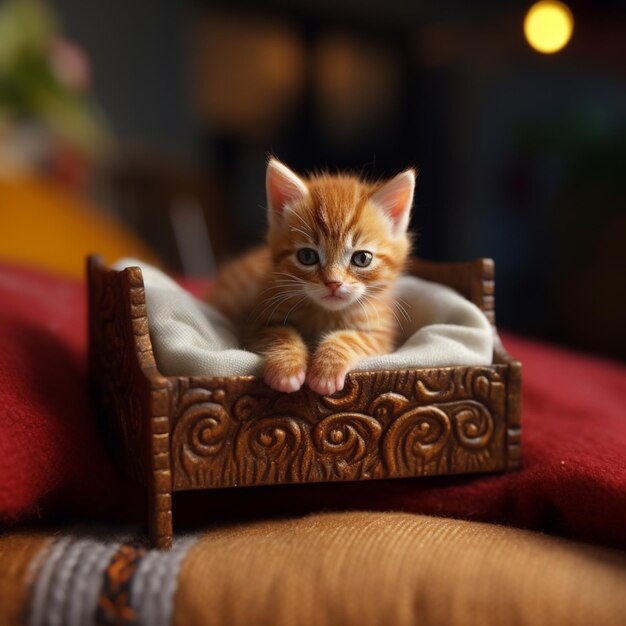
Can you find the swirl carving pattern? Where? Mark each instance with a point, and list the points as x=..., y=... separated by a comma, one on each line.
x=202, y=424
x=273, y=449
x=276, y=439
x=249, y=437
x=246, y=407
x=415, y=438
x=473, y=424
x=347, y=437
x=387, y=405
x=348, y=399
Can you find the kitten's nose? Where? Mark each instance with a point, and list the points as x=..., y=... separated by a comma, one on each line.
x=333, y=286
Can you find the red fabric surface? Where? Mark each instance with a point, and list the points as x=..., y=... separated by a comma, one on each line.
x=573, y=481
x=51, y=457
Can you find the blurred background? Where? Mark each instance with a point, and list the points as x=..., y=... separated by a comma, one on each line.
x=143, y=128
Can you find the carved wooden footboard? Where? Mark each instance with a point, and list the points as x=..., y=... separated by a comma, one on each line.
x=180, y=433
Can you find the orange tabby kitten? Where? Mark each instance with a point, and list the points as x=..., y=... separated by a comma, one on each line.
x=318, y=298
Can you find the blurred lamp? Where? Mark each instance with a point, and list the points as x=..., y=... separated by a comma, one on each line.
x=548, y=26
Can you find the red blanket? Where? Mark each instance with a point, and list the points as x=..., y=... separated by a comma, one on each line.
x=52, y=462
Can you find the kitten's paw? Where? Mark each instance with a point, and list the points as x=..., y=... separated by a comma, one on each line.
x=282, y=378
x=327, y=379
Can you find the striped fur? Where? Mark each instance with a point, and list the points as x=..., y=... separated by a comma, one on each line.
x=286, y=310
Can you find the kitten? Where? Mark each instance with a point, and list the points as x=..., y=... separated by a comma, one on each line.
x=318, y=298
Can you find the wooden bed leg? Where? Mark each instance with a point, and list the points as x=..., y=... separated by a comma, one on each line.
x=160, y=518
x=160, y=491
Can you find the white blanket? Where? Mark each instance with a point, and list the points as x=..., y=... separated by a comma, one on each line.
x=190, y=338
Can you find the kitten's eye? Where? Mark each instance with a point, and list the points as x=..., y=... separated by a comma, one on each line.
x=362, y=258
x=308, y=256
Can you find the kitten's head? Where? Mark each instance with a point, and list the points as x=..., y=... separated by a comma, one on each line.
x=337, y=239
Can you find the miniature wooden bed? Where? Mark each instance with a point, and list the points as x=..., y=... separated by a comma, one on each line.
x=179, y=432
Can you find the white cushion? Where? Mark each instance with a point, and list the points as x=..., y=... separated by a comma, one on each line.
x=191, y=338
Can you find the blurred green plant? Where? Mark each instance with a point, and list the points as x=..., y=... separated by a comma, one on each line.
x=44, y=78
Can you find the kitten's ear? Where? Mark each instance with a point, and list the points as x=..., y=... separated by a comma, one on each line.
x=395, y=198
x=283, y=188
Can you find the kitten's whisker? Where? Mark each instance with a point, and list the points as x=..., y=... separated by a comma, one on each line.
x=284, y=285
x=283, y=292
x=377, y=298
x=290, y=278
x=299, y=230
x=375, y=309
x=278, y=304
x=264, y=313
x=278, y=298
x=379, y=285
x=286, y=281
x=301, y=280
x=370, y=304
x=403, y=311
x=378, y=289
x=403, y=302
x=281, y=287
x=292, y=281
x=281, y=284
x=367, y=317
x=306, y=226
x=294, y=307
x=399, y=303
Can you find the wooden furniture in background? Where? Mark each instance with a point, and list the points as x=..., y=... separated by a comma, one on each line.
x=181, y=432
x=180, y=209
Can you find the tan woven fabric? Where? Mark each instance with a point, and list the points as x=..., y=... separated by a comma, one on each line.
x=18, y=564
x=395, y=569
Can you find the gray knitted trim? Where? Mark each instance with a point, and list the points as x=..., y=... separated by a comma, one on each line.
x=66, y=590
x=154, y=584
x=71, y=574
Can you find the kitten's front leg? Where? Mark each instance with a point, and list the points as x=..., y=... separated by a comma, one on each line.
x=337, y=353
x=286, y=357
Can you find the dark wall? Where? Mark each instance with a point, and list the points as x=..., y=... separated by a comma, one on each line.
x=521, y=155
x=138, y=53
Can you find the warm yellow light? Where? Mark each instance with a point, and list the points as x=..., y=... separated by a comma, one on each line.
x=548, y=26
